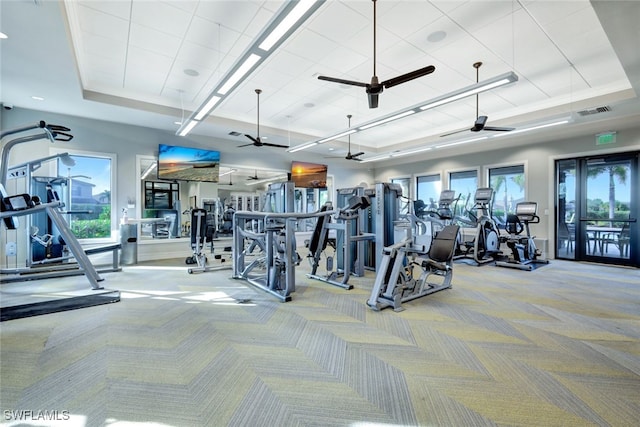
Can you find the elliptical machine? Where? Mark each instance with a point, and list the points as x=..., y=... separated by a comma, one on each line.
x=485, y=245
x=524, y=253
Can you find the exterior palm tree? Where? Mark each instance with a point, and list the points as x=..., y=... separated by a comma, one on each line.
x=614, y=171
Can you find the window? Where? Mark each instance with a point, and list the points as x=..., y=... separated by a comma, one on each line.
x=464, y=183
x=88, y=194
x=508, y=184
x=428, y=188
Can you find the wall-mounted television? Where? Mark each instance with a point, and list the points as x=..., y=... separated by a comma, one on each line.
x=308, y=175
x=188, y=164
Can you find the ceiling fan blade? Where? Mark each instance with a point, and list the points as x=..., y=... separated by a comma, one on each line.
x=498, y=129
x=256, y=141
x=358, y=154
x=343, y=81
x=268, y=144
x=408, y=76
x=247, y=145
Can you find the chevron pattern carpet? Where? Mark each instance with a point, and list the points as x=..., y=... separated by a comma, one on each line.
x=558, y=346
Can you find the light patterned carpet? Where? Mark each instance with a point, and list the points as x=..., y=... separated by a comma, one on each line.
x=558, y=346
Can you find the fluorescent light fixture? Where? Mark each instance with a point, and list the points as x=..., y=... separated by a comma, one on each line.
x=3, y=36
x=408, y=152
x=464, y=141
x=239, y=73
x=388, y=119
x=474, y=89
x=542, y=126
x=376, y=158
x=186, y=129
x=149, y=169
x=207, y=107
x=340, y=135
x=228, y=172
x=287, y=19
x=286, y=24
x=497, y=81
x=302, y=147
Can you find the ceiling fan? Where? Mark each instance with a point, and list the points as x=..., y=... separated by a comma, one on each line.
x=254, y=177
x=257, y=141
x=375, y=88
x=350, y=156
x=480, y=120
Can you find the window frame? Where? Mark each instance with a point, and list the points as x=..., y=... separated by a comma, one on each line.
x=113, y=158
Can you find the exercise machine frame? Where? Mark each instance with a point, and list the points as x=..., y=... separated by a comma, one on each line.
x=396, y=280
x=345, y=237
x=485, y=246
x=524, y=253
x=273, y=269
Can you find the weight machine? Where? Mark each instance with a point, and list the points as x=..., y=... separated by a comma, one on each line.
x=349, y=242
x=272, y=269
x=381, y=214
x=408, y=265
x=485, y=244
x=201, y=233
x=524, y=253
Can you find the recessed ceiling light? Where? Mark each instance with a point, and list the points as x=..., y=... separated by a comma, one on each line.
x=3, y=36
x=309, y=105
x=37, y=98
x=437, y=36
x=331, y=148
x=191, y=72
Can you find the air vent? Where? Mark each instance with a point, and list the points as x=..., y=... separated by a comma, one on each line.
x=596, y=110
x=234, y=133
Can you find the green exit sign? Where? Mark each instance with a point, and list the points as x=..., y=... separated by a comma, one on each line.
x=606, y=138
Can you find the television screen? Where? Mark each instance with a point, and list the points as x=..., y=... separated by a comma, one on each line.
x=188, y=164
x=308, y=175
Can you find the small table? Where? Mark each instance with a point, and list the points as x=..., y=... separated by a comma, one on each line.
x=600, y=235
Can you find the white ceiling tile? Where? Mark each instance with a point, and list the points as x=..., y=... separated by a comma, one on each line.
x=102, y=24
x=155, y=41
x=120, y=9
x=161, y=16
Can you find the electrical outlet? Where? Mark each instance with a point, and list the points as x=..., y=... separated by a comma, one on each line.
x=11, y=249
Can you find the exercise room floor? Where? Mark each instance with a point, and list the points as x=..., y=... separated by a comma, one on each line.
x=557, y=346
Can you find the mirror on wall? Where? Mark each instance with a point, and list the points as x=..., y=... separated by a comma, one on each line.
x=162, y=207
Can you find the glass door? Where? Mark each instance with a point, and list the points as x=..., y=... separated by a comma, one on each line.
x=597, y=209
